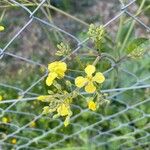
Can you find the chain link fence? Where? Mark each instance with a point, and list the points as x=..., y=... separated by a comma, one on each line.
x=105, y=131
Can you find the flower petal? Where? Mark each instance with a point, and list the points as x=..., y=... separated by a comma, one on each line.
x=92, y=105
x=99, y=77
x=57, y=64
x=80, y=81
x=1, y=28
x=61, y=74
x=67, y=121
x=42, y=97
x=52, y=66
x=1, y=98
x=63, y=66
x=90, y=88
x=89, y=70
x=63, y=110
x=51, y=77
x=58, y=67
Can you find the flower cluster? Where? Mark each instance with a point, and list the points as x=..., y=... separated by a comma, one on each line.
x=63, y=49
x=96, y=34
x=56, y=69
x=59, y=104
x=138, y=53
x=60, y=100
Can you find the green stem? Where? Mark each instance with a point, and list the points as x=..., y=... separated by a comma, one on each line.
x=131, y=28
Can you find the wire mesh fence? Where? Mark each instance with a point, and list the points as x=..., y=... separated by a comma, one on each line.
x=105, y=130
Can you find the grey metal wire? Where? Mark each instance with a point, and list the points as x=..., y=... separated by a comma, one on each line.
x=28, y=96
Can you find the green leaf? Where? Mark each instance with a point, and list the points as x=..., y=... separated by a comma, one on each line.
x=123, y=33
x=141, y=123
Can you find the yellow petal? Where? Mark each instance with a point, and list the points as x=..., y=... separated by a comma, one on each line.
x=50, y=79
x=14, y=141
x=5, y=120
x=63, y=66
x=61, y=69
x=99, y=77
x=61, y=74
x=49, y=82
x=58, y=67
x=89, y=70
x=63, y=110
x=80, y=81
x=52, y=65
x=1, y=98
x=92, y=105
x=1, y=28
x=90, y=88
x=67, y=121
x=42, y=97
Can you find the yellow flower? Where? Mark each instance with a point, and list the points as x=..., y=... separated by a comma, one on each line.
x=32, y=124
x=63, y=109
x=1, y=98
x=2, y=28
x=59, y=105
x=14, y=141
x=42, y=97
x=92, y=105
x=5, y=120
x=89, y=80
x=57, y=69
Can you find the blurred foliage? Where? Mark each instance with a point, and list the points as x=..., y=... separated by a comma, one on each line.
x=72, y=5
x=146, y=6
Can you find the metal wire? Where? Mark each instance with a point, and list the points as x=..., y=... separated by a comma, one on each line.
x=95, y=127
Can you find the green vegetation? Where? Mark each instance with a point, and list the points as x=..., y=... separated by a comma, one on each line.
x=123, y=123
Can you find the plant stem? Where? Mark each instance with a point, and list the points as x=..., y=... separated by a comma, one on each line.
x=131, y=27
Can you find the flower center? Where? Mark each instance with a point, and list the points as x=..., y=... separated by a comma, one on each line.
x=89, y=78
